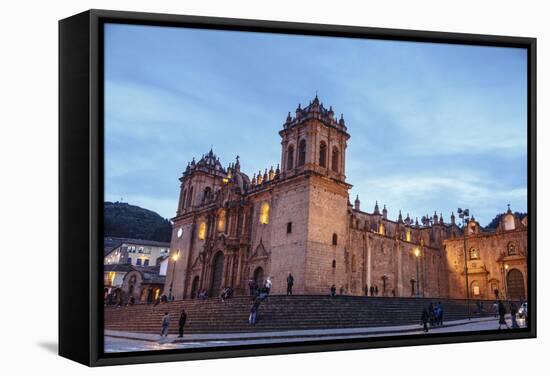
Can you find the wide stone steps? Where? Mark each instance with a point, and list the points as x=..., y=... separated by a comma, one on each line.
x=279, y=313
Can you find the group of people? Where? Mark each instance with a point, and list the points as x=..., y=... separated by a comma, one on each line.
x=166, y=324
x=500, y=310
x=261, y=293
x=227, y=293
x=433, y=315
x=119, y=298
x=369, y=291
x=373, y=290
x=343, y=290
x=256, y=289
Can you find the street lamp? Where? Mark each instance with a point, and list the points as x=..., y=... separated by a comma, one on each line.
x=417, y=254
x=464, y=214
x=175, y=257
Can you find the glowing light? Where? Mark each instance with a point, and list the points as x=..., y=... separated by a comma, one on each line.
x=111, y=277
x=176, y=255
x=221, y=220
x=408, y=235
x=417, y=252
x=202, y=231
x=264, y=214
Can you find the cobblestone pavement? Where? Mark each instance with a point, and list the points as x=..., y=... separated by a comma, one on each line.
x=114, y=344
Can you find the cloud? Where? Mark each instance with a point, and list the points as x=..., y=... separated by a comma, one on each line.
x=432, y=126
x=424, y=194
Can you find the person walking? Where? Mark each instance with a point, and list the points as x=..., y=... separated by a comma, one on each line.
x=333, y=291
x=268, y=285
x=366, y=290
x=431, y=314
x=501, y=314
x=372, y=291
x=376, y=290
x=165, y=325
x=439, y=313
x=289, y=284
x=181, y=323
x=513, y=312
x=424, y=319
x=496, y=294
x=254, y=312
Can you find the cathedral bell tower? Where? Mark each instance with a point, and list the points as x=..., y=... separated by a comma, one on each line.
x=314, y=192
x=314, y=140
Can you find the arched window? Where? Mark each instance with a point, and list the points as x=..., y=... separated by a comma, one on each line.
x=474, y=253
x=408, y=236
x=202, y=230
x=290, y=157
x=302, y=153
x=323, y=154
x=184, y=197
x=189, y=198
x=221, y=220
x=333, y=263
x=264, y=213
x=259, y=276
x=512, y=250
x=206, y=194
x=334, y=239
x=335, y=159
x=382, y=229
x=194, y=288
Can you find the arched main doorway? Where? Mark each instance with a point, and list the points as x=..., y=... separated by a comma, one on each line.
x=195, y=287
x=217, y=274
x=259, y=276
x=516, y=288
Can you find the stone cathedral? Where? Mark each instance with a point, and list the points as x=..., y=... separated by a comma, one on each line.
x=297, y=218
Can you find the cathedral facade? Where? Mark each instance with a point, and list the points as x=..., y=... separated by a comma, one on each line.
x=297, y=218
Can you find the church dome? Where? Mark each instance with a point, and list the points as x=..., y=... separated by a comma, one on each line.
x=241, y=180
x=209, y=162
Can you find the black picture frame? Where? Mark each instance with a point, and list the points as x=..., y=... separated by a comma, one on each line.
x=81, y=184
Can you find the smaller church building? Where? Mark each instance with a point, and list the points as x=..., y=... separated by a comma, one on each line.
x=297, y=218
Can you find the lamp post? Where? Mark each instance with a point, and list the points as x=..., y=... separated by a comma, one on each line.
x=175, y=258
x=417, y=254
x=464, y=214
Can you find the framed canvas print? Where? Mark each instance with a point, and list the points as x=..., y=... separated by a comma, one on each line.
x=238, y=187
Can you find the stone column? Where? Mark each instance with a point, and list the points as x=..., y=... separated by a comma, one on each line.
x=399, y=282
x=369, y=264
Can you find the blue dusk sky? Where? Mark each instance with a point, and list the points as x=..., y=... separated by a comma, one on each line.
x=433, y=126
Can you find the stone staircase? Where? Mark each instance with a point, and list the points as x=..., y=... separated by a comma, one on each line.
x=281, y=312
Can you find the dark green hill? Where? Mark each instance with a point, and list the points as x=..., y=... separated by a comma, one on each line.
x=123, y=220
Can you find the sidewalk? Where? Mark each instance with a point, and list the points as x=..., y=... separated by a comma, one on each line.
x=315, y=333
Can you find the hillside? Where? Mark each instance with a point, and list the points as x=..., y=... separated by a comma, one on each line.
x=128, y=221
